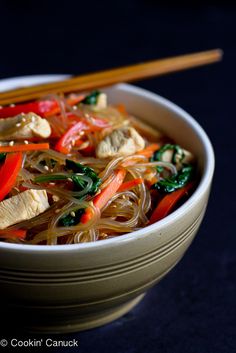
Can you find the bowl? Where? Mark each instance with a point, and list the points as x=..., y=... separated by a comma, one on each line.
x=65, y=288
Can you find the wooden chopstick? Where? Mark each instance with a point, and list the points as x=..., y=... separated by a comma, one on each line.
x=109, y=77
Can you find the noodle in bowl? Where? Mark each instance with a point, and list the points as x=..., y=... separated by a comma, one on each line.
x=71, y=287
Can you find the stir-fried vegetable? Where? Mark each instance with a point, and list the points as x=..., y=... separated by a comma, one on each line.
x=47, y=178
x=12, y=233
x=66, y=142
x=101, y=199
x=175, y=182
x=79, y=184
x=25, y=147
x=181, y=178
x=78, y=181
x=177, y=152
x=166, y=205
x=104, y=196
x=149, y=150
x=75, y=99
x=9, y=172
x=75, y=217
x=79, y=168
x=92, y=98
x=2, y=157
x=42, y=108
x=130, y=184
x=71, y=219
x=72, y=136
x=45, y=108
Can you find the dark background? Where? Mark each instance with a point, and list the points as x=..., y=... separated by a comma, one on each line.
x=193, y=309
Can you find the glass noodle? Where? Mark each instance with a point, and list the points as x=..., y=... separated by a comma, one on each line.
x=88, y=199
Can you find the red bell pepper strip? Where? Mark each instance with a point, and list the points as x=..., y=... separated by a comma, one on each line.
x=9, y=172
x=66, y=142
x=166, y=205
x=44, y=108
x=71, y=100
x=13, y=233
x=41, y=108
x=72, y=136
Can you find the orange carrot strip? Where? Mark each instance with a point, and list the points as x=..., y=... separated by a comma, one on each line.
x=151, y=181
x=121, y=108
x=131, y=162
x=130, y=184
x=149, y=150
x=150, y=177
x=75, y=99
x=166, y=205
x=25, y=148
x=104, y=196
x=146, y=152
x=101, y=199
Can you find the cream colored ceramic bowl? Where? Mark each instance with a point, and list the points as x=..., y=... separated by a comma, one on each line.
x=67, y=288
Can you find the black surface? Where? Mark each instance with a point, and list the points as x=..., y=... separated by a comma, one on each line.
x=193, y=309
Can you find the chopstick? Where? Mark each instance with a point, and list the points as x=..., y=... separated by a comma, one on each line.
x=109, y=77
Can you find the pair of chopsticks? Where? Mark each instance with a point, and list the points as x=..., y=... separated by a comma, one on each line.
x=109, y=77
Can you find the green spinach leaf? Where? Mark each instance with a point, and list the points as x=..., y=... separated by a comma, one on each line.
x=68, y=220
x=2, y=157
x=176, y=181
x=79, y=168
x=92, y=98
x=157, y=156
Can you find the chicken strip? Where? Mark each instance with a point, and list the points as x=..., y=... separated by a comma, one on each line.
x=24, y=126
x=23, y=206
x=121, y=142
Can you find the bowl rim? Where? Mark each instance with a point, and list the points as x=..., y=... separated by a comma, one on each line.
x=200, y=190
